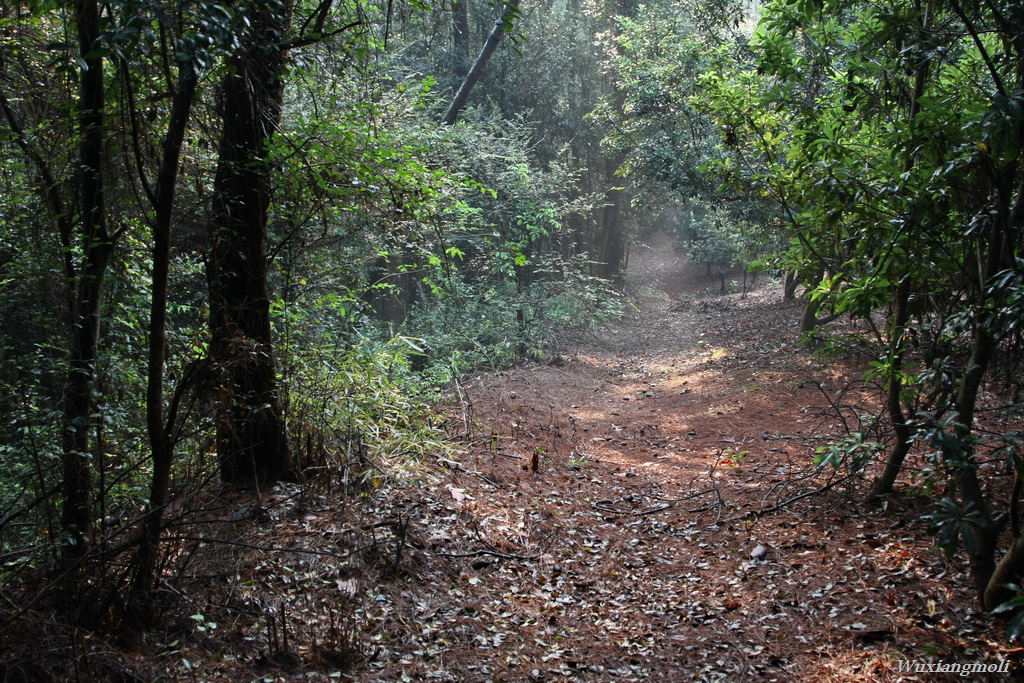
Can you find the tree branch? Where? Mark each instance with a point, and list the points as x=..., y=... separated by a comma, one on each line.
x=501, y=26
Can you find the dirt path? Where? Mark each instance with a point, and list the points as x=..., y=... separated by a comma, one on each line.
x=644, y=510
x=603, y=520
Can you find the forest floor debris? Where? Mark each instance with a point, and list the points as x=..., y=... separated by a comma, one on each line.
x=647, y=508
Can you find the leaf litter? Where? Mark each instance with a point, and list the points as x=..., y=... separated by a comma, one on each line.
x=645, y=509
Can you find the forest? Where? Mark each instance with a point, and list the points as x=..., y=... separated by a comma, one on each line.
x=519, y=340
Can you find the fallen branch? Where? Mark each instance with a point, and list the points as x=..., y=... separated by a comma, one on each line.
x=651, y=511
x=493, y=553
x=789, y=501
x=462, y=470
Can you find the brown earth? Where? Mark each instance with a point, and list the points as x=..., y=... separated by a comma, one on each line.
x=647, y=508
x=675, y=514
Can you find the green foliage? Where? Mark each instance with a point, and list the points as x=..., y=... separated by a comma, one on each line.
x=454, y=235
x=364, y=395
x=1015, y=608
x=956, y=525
x=471, y=323
x=732, y=457
x=203, y=625
x=738, y=236
x=853, y=453
x=658, y=56
x=889, y=138
x=496, y=281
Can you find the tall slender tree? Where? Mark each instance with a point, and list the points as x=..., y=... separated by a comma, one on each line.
x=160, y=423
x=97, y=245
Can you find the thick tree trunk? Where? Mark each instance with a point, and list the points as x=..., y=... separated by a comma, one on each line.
x=789, y=290
x=76, y=515
x=251, y=441
x=809, y=317
x=393, y=303
x=501, y=26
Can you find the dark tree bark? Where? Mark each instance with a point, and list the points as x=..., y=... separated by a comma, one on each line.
x=611, y=243
x=501, y=26
x=1007, y=572
x=97, y=247
x=901, y=316
x=986, y=532
x=393, y=303
x=809, y=317
x=789, y=289
x=158, y=426
x=894, y=392
x=251, y=442
x=1000, y=244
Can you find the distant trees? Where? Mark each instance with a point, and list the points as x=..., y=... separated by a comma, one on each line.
x=661, y=134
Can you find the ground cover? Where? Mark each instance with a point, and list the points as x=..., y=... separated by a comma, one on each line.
x=644, y=507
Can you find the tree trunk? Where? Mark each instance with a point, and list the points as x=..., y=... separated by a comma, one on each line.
x=393, y=303
x=1002, y=240
x=982, y=560
x=999, y=245
x=1009, y=570
x=894, y=391
x=612, y=248
x=1000, y=248
x=460, y=42
x=610, y=243
x=251, y=442
x=160, y=439
x=901, y=315
x=809, y=318
x=789, y=290
x=97, y=246
x=501, y=26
